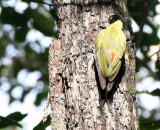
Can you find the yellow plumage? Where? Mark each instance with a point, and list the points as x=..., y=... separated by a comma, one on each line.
x=109, y=48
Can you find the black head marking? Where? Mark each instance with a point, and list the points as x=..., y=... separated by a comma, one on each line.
x=116, y=17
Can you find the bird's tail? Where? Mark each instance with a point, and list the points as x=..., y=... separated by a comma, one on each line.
x=110, y=85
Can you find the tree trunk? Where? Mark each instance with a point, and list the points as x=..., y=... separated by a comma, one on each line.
x=76, y=95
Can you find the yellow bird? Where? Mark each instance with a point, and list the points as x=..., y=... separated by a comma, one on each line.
x=109, y=48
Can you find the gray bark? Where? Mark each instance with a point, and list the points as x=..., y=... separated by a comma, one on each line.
x=75, y=93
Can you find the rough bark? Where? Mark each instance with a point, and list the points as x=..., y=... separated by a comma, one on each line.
x=75, y=92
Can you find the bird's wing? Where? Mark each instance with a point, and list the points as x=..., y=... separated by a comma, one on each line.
x=102, y=79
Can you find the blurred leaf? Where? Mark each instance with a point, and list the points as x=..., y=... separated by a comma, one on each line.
x=135, y=8
x=150, y=24
x=138, y=64
x=155, y=92
x=148, y=123
x=12, y=120
x=25, y=92
x=17, y=66
x=11, y=99
x=5, y=122
x=40, y=97
x=3, y=45
x=17, y=116
x=42, y=126
x=54, y=12
x=20, y=33
x=41, y=23
x=148, y=39
x=10, y=16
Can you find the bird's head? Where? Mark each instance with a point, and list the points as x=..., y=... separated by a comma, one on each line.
x=116, y=18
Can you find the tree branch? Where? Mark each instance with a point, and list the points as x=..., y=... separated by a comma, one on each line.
x=145, y=60
x=143, y=63
x=144, y=15
x=143, y=19
x=154, y=53
x=150, y=122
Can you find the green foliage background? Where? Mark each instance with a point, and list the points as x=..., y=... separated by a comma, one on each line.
x=43, y=20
